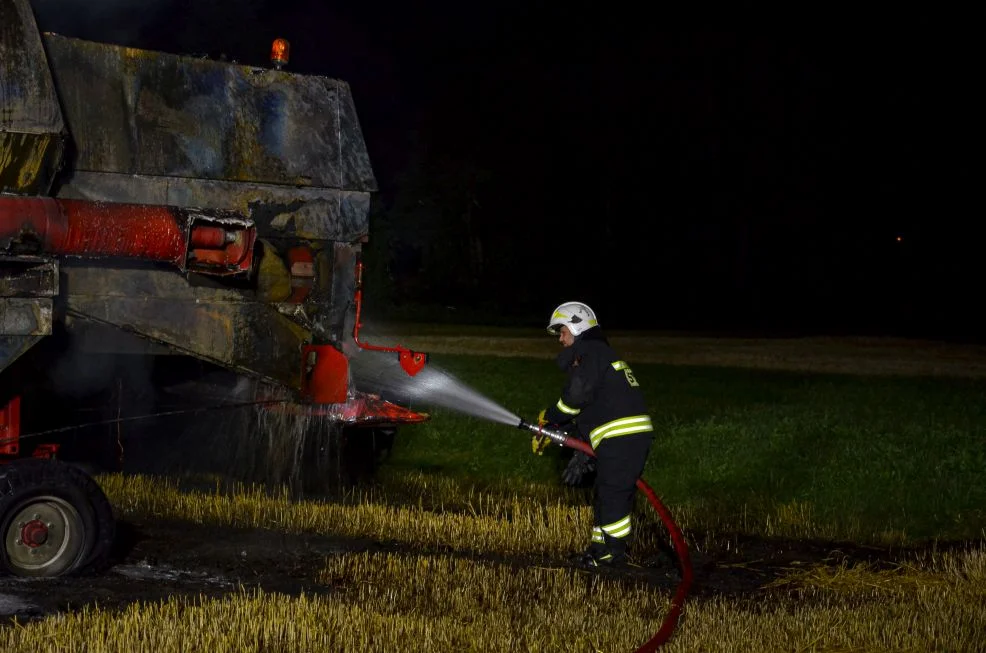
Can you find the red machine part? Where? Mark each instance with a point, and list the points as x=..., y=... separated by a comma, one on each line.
x=137, y=231
x=325, y=383
x=325, y=376
x=363, y=408
x=411, y=361
x=360, y=409
x=10, y=427
x=10, y=433
x=46, y=450
x=34, y=533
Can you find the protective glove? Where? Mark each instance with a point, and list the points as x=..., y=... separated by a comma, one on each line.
x=540, y=442
x=579, y=466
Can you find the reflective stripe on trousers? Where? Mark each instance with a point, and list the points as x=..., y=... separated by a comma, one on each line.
x=619, y=529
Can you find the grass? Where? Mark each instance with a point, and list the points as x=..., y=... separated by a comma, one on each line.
x=872, y=459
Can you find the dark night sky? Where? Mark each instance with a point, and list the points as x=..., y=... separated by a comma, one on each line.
x=704, y=178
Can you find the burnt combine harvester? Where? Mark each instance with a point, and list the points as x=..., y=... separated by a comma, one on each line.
x=165, y=220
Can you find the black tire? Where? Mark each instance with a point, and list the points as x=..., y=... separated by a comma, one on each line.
x=54, y=520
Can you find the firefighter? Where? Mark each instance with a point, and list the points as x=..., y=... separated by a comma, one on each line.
x=603, y=400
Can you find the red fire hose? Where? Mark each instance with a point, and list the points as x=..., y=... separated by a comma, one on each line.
x=681, y=548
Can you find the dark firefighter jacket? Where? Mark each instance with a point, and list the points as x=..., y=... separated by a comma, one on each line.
x=601, y=393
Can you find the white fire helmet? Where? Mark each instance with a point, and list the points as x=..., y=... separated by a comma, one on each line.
x=575, y=315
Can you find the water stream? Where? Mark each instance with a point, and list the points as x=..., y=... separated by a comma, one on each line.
x=381, y=373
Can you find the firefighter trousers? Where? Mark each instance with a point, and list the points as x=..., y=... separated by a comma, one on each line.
x=619, y=463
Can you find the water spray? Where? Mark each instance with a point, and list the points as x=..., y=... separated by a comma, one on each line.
x=432, y=386
x=681, y=548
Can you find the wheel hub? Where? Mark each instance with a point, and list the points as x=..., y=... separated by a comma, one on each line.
x=34, y=533
x=44, y=536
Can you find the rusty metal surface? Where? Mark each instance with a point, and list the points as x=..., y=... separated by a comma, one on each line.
x=277, y=211
x=31, y=123
x=212, y=323
x=25, y=316
x=140, y=112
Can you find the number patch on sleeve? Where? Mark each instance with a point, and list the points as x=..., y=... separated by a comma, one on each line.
x=621, y=366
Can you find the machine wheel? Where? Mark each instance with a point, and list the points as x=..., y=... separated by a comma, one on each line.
x=54, y=520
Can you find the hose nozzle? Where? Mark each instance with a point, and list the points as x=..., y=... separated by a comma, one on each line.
x=556, y=436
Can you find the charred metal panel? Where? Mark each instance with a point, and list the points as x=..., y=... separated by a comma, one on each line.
x=25, y=316
x=148, y=113
x=91, y=337
x=211, y=323
x=27, y=95
x=354, y=162
x=30, y=119
x=27, y=286
x=13, y=347
x=278, y=211
x=341, y=318
x=28, y=276
x=29, y=162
